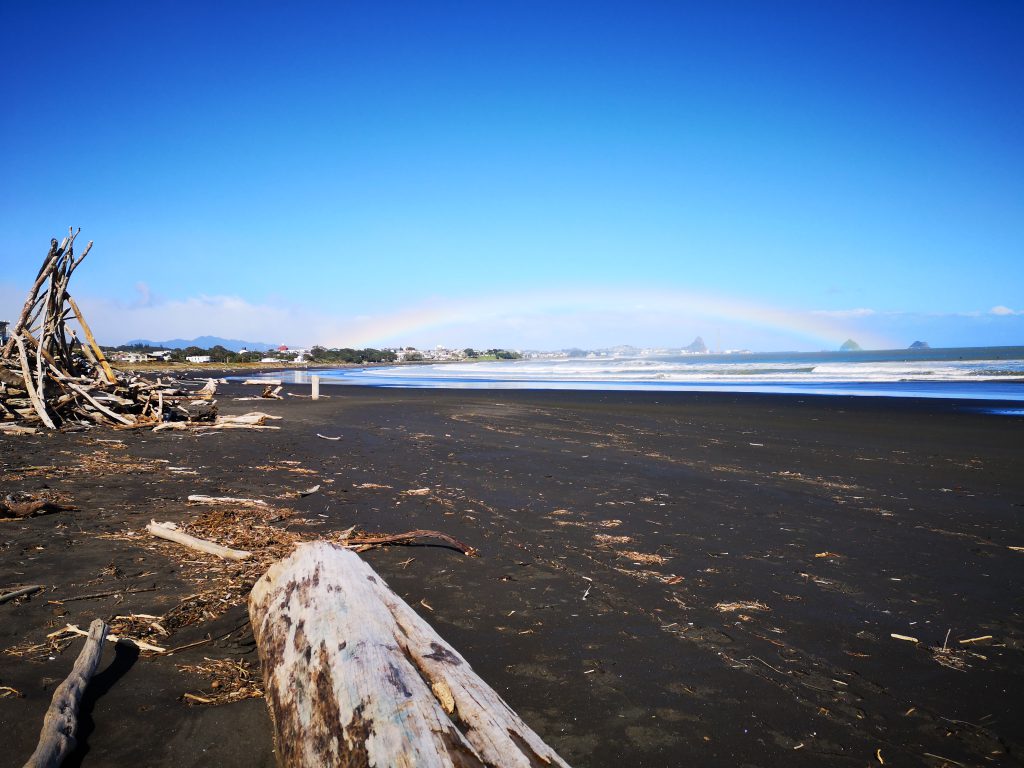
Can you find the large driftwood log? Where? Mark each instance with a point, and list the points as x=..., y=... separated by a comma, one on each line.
x=355, y=677
x=57, y=737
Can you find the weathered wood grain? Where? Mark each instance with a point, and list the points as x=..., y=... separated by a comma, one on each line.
x=354, y=677
x=57, y=737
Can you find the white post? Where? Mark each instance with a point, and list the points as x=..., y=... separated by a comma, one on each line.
x=316, y=387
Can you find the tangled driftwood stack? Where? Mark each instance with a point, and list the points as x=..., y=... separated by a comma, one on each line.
x=50, y=377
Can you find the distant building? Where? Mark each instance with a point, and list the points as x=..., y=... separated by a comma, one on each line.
x=198, y=358
x=127, y=357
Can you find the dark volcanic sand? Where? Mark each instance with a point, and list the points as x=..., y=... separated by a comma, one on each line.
x=609, y=658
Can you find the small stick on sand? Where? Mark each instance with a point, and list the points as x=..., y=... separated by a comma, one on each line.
x=57, y=737
x=170, y=532
x=97, y=595
x=325, y=437
x=975, y=639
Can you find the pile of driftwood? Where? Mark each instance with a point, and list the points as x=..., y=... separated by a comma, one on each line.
x=51, y=377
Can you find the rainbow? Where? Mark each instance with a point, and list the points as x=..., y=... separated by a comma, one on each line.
x=821, y=328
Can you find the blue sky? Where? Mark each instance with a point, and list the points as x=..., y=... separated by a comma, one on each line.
x=529, y=174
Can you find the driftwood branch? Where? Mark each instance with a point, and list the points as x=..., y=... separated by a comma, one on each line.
x=355, y=677
x=14, y=594
x=111, y=379
x=198, y=498
x=57, y=737
x=408, y=538
x=142, y=645
x=25, y=505
x=170, y=532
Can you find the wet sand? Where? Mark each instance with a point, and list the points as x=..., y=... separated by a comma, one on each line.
x=664, y=579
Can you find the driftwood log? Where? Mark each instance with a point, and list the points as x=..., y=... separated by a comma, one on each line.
x=23, y=504
x=20, y=592
x=57, y=737
x=198, y=498
x=355, y=677
x=170, y=532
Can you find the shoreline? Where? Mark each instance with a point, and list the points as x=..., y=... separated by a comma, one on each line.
x=1004, y=393
x=664, y=577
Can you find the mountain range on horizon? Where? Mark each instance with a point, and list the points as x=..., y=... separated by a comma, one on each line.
x=206, y=342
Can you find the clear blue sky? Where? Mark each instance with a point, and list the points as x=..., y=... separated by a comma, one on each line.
x=534, y=174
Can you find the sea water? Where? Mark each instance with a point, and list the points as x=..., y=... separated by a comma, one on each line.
x=983, y=373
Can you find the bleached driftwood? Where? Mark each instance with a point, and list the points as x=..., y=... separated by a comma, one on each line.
x=354, y=677
x=142, y=645
x=57, y=737
x=16, y=429
x=170, y=532
x=198, y=498
x=50, y=376
x=209, y=389
x=253, y=417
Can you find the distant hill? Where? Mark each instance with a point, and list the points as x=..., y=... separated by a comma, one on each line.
x=920, y=345
x=205, y=342
x=697, y=345
x=850, y=346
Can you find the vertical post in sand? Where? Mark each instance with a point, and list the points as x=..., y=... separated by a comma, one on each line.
x=57, y=737
x=316, y=387
x=355, y=677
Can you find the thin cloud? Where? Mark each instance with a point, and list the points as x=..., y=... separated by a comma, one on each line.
x=1004, y=311
x=845, y=313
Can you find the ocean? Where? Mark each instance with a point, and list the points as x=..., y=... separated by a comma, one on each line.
x=977, y=373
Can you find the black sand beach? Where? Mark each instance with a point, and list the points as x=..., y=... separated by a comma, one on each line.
x=664, y=579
